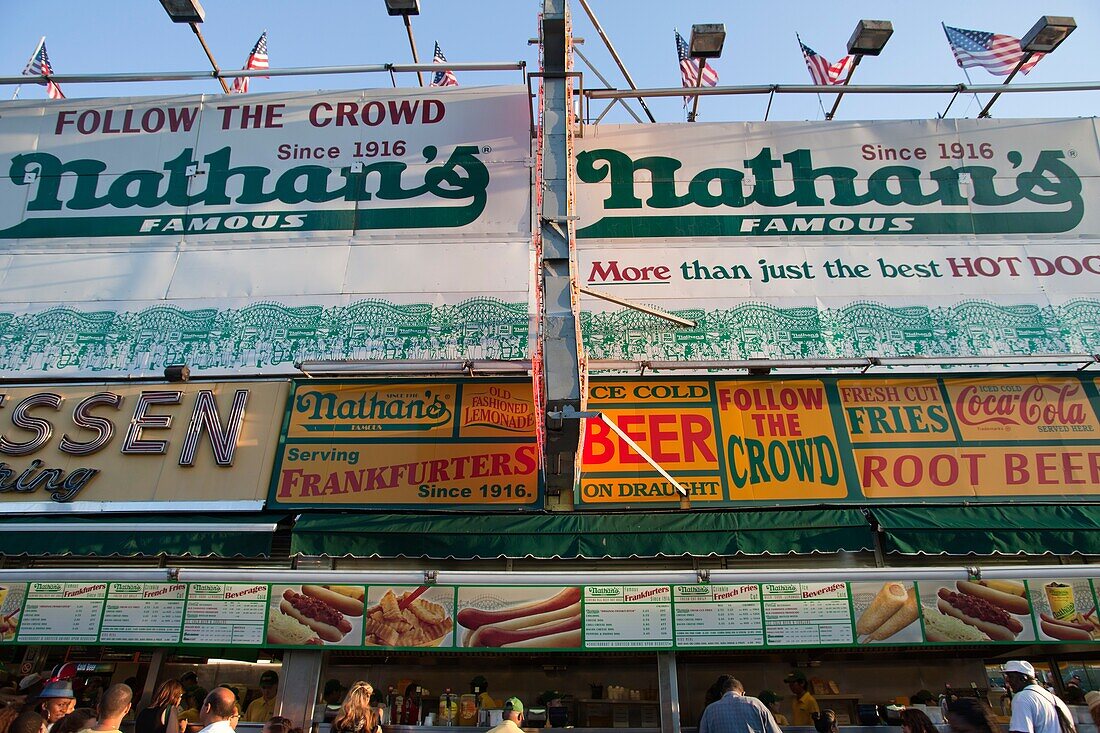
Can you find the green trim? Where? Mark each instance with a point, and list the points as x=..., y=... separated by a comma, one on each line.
x=578, y=535
x=148, y=538
x=1037, y=529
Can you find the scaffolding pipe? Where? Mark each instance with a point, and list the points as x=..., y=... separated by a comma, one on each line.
x=292, y=71
x=750, y=89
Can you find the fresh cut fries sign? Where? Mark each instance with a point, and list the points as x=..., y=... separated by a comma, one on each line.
x=541, y=618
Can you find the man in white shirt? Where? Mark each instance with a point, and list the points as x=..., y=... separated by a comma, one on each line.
x=1034, y=709
x=113, y=706
x=218, y=710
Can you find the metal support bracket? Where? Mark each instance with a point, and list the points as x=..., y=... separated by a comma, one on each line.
x=431, y=577
x=704, y=575
x=647, y=309
x=568, y=413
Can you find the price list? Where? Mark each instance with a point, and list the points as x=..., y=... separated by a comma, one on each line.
x=62, y=612
x=798, y=614
x=225, y=613
x=627, y=616
x=143, y=613
x=718, y=615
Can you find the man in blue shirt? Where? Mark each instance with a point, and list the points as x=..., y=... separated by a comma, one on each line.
x=736, y=712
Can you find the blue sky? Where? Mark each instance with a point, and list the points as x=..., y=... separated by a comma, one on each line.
x=136, y=35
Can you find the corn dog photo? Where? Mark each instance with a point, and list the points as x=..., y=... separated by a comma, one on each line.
x=519, y=618
x=886, y=613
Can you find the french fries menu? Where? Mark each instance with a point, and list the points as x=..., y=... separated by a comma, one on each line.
x=517, y=618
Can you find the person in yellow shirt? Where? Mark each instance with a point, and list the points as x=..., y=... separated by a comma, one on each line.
x=263, y=707
x=804, y=706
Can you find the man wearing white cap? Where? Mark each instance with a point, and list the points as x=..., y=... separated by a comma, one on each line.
x=1034, y=709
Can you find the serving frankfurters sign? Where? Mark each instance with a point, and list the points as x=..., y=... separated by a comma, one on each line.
x=533, y=618
x=836, y=439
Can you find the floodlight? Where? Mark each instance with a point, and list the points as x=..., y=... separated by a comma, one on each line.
x=184, y=11
x=1045, y=35
x=403, y=7
x=870, y=37
x=707, y=40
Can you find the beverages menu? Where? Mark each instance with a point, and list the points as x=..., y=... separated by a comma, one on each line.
x=807, y=614
x=225, y=614
x=627, y=616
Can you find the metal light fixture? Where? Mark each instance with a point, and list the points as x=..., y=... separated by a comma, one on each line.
x=1046, y=34
x=177, y=373
x=870, y=37
x=707, y=40
x=403, y=7
x=184, y=11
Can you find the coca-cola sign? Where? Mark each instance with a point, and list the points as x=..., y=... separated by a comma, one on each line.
x=1011, y=404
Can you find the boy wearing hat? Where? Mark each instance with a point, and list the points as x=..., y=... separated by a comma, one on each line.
x=263, y=707
x=805, y=707
x=56, y=701
x=771, y=702
x=513, y=717
x=1034, y=709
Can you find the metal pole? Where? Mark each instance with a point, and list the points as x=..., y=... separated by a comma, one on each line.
x=768, y=111
x=1023, y=60
x=965, y=72
x=952, y=101
x=669, y=688
x=209, y=55
x=851, y=70
x=606, y=83
x=615, y=55
x=698, y=85
x=412, y=45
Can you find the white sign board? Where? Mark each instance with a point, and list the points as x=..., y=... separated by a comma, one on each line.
x=842, y=239
x=241, y=234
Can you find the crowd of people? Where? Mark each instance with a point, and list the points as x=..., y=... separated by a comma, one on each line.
x=1034, y=709
x=40, y=704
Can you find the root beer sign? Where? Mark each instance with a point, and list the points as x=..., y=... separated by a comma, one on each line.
x=444, y=445
x=829, y=439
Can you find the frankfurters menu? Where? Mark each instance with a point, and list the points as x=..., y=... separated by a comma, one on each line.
x=627, y=616
x=531, y=618
x=62, y=612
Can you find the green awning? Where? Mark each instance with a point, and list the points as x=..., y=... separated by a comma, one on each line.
x=1036, y=529
x=224, y=535
x=576, y=535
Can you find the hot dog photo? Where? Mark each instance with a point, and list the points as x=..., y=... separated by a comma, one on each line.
x=886, y=613
x=519, y=618
x=985, y=610
x=1064, y=610
x=409, y=616
x=316, y=615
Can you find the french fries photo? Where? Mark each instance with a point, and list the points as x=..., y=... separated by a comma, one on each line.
x=521, y=618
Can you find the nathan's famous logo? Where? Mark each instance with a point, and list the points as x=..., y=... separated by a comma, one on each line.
x=83, y=185
x=380, y=410
x=498, y=408
x=1050, y=185
x=1035, y=404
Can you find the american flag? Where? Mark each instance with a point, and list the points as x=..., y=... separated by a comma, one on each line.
x=689, y=68
x=996, y=53
x=821, y=71
x=256, y=60
x=444, y=77
x=39, y=65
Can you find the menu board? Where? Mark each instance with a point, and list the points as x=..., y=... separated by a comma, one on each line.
x=143, y=612
x=718, y=615
x=62, y=613
x=531, y=618
x=225, y=614
x=807, y=614
x=627, y=616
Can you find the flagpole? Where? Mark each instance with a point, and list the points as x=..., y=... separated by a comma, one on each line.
x=819, y=102
x=41, y=42
x=967, y=73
